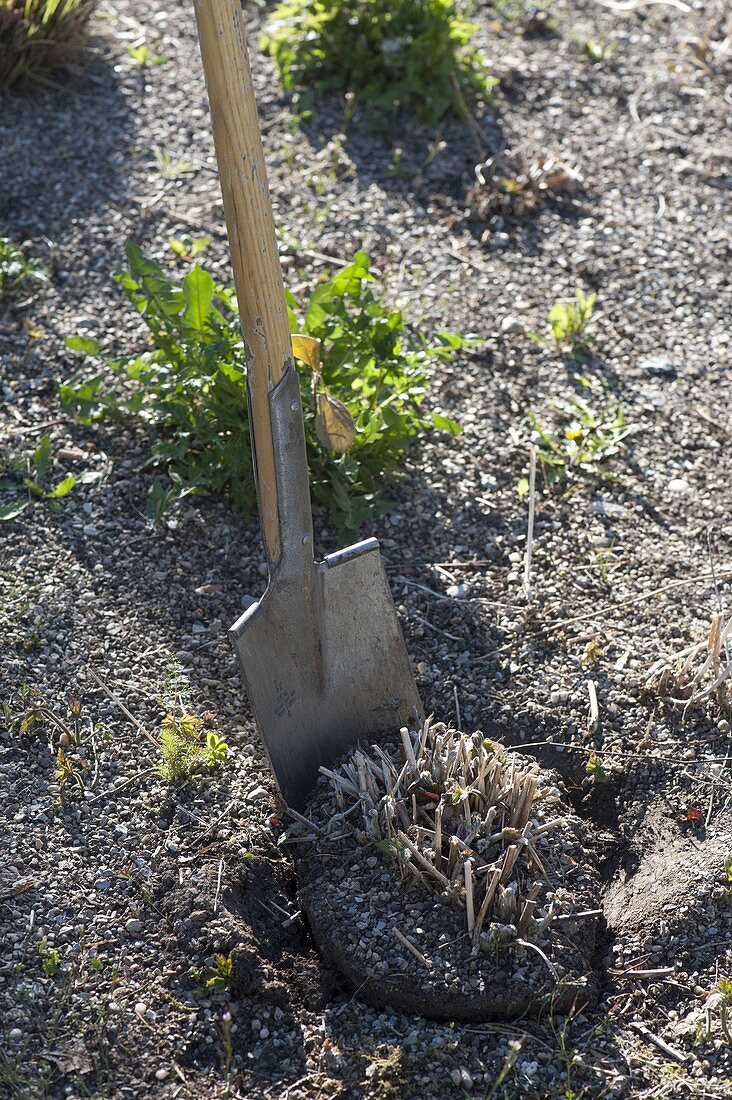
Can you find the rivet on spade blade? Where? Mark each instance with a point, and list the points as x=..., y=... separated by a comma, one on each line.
x=305, y=540
x=294, y=406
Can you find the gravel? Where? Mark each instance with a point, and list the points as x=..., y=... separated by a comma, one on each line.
x=620, y=571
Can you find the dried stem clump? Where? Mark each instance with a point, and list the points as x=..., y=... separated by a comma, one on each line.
x=458, y=815
x=511, y=185
x=697, y=672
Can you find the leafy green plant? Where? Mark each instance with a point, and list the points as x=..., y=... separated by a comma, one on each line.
x=394, y=55
x=213, y=979
x=187, y=248
x=578, y=447
x=368, y=373
x=183, y=749
x=569, y=321
x=15, y=267
x=728, y=873
x=49, y=956
x=33, y=473
x=143, y=57
x=596, y=769
x=40, y=35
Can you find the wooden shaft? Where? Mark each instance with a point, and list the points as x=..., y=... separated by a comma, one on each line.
x=252, y=238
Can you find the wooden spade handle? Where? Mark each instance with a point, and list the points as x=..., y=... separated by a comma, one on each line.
x=252, y=238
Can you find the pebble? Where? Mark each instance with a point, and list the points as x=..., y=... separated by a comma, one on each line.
x=678, y=485
x=15, y=1035
x=511, y=326
x=133, y=925
x=257, y=793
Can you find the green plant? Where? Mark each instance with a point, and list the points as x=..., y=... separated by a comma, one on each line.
x=49, y=957
x=32, y=473
x=394, y=55
x=728, y=873
x=40, y=35
x=596, y=769
x=183, y=749
x=168, y=168
x=372, y=376
x=142, y=56
x=578, y=448
x=569, y=321
x=29, y=716
x=187, y=248
x=213, y=979
x=14, y=266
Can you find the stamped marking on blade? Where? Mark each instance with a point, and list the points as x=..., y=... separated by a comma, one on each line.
x=285, y=700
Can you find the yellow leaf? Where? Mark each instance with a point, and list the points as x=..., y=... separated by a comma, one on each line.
x=34, y=331
x=334, y=424
x=307, y=349
x=573, y=433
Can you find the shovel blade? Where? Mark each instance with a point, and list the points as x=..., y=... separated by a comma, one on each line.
x=325, y=665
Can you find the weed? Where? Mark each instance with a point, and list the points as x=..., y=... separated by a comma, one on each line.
x=40, y=35
x=168, y=168
x=33, y=474
x=596, y=769
x=510, y=185
x=578, y=448
x=49, y=957
x=569, y=321
x=66, y=776
x=15, y=267
x=175, y=688
x=214, y=979
x=29, y=716
x=700, y=1022
x=142, y=56
x=373, y=372
x=728, y=873
x=393, y=55
x=595, y=50
x=187, y=248
x=182, y=747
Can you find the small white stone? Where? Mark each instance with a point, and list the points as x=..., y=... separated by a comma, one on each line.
x=140, y=1008
x=511, y=325
x=678, y=485
x=458, y=591
x=15, y=1035
x=161, y=1073
x=258, y=792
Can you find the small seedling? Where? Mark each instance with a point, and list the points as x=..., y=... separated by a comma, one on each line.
x=595, y=50
x=187, y=248
x=49, y=957
x=183, y=749
x=33, y=474
x=728, y=873
x=569, y=321
x=66, y=776
x=581, y=444
x=216, y=749
x=168, y=168
x=215, y=979
x=142, y=56
x=15, y=268
x=596, y=769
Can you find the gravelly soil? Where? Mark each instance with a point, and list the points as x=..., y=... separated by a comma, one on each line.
x=133, y=882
